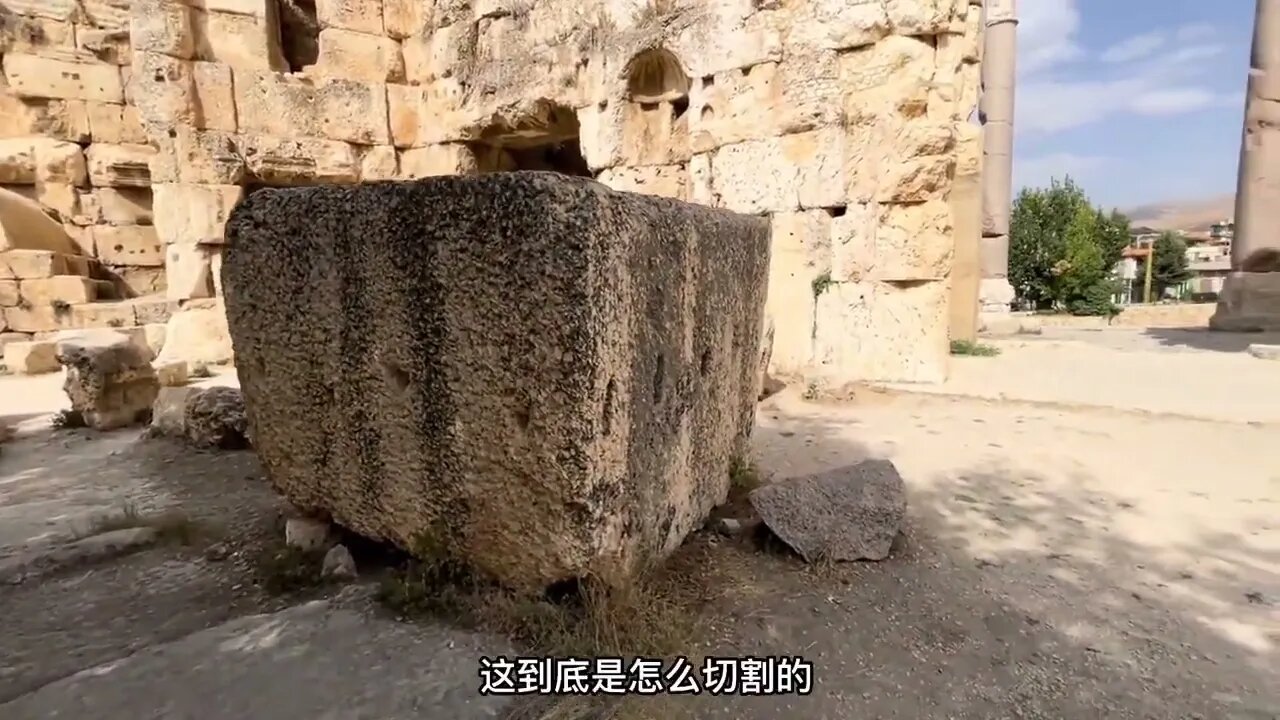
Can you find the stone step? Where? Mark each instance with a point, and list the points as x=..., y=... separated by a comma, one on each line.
x=43, y=319
x=38, y=264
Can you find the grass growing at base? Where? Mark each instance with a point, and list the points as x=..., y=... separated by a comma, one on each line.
x=973, y=349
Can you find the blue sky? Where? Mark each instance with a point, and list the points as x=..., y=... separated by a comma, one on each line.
x=1139, y=100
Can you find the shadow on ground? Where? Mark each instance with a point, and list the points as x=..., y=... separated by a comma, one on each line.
x=1008, y=599
x=1201, y=338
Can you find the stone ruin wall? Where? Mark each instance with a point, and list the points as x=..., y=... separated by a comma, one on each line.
x=845, y=121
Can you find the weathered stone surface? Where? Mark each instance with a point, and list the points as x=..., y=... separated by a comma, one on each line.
x=109, y=379
x=124, y=206
x=359, y=56
x=306, y=533
x=30, y=358
x=29, y=237
x=198, y=334
x=169, y=412
x=120, y=165
x=338, y=564
x=70, y=289
x=172, y=373
x=850, y=513
x=128, y=245
x=1265, y=352
x=193, y=213
x=582, y=419
x=34, y=76
x=215, y=417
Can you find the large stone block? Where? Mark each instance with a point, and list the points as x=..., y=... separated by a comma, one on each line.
x=359, y=56
x=198, y=334
x=193, y=213
x=164, y=27
x=299, y=161
x=238, y=40
x=359, y=15
x=547, y=377
x=34, y=76
x=120, y=165
x=128, y=245
x=24, y=226
x=109, y=381
x=118, y=124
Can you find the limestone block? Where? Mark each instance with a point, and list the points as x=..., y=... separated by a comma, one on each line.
x=25, y=226
x=215, y=269
x=26, y=160
x=25, y=264
x=353, y=111
x=36, y=35
x=109, y=379
x=110, y=46
x=404, y=18
x=194, y=214
x=916, y=180
x=379, y=162
x=438, y=54
x=118, y=124
x=173, y=373
x=187, y=271
x=275, y=104
x=106, y=14
x=359, y=15
x=208, y=157
x=215, y=100
x=198, y=334
x=33, y=76
x=163, y=90
x=879, y=78
x=153, y=335
x=152, y=310
x=661, y=180
x=358, y=56
x=426, y=115
x=128, y=245
x=653, y=135
x=738, y=45
x=31, y=357
x=601, y=134
x=448, y=159
x=914, y=241
x=120, y=165
x=35, y=319
x=785, y=173
x=71, y=289
x=800, y=256
x=839, y=24
x=9, y=295
x=873, y=331
x=102, y=315
x=639, y=435
x=919, y=17
x=700, y=181
x=808, y=93
x=61, y=10
x=249, y=42
x=9, y=337
x=133, y=281
x=168, y=413
x=853, y=241
x=296, y=161
x=163, y=27
x=55, y=119
x=125, y=206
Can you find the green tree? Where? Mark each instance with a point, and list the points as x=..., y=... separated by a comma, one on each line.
x=1062, y=249
x=1171, y=268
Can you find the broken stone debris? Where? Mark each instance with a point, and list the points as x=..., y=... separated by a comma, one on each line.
x=338, y=564
x=214, y=417
x=305, y=533
x=850, y=513
x=109, y=378
x=515, y=358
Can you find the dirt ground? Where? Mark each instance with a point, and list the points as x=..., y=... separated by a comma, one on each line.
x=1071, y=552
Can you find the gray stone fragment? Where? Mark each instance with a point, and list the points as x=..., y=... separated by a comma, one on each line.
x=850, y=513
x=338, y=564
x=306, y=533
x=505, y=364
x=215, y=417
x=1265, y=352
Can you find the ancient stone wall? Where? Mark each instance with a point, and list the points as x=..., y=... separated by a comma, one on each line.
x=841, y=120
x=70, y=144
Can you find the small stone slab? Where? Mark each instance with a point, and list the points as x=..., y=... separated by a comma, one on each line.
x=1265, y=352
x=850, y=513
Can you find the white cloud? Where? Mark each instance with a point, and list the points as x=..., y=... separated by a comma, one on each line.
x=1046, y=34
x=1038, y=171
x=1174, y=101
x=1055, y=94
x=1135, y=48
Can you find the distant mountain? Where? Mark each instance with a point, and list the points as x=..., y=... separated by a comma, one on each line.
x=1189, y=216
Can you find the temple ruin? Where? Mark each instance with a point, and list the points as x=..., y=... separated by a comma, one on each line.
x=138, y=125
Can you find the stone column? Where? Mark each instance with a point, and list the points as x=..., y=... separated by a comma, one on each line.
x=998, y=76
x=1250, y=297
